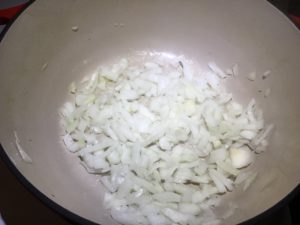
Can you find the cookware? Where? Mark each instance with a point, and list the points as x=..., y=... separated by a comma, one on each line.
x=40, y=55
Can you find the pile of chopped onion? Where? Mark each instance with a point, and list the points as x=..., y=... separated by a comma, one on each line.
x=168, y=140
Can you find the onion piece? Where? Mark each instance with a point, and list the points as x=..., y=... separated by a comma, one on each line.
x=241, y=157
x=213, y=66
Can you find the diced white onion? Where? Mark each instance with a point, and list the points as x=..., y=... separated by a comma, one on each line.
x=166, y=138
x=241, y=157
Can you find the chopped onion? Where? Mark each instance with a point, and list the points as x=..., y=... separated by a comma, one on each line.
x=249, y=181
x=241, y=157
x=213, y=66
x=176, y=216
x=166, y=138
x=251, y=76
x=23, y=154
x=235, y=70
x=266, y=74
